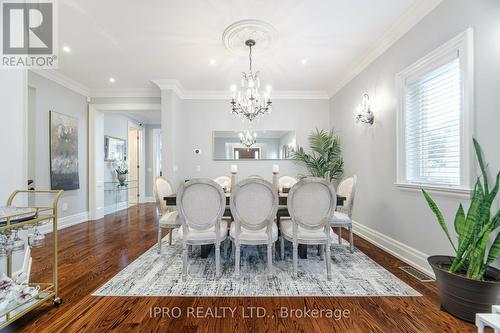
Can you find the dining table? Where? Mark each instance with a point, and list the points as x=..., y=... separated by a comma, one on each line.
x=171, y=201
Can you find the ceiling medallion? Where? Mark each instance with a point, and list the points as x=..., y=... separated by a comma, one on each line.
x=263, y=33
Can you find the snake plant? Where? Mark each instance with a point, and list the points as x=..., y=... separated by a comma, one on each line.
x=474, y=228
x=325, y=159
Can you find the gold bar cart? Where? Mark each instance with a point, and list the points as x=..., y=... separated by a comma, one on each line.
x=47, y=290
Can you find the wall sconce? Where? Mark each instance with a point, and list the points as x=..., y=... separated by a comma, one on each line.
x=365, y=115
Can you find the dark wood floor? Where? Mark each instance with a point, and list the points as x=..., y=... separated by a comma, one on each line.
x=92, y=253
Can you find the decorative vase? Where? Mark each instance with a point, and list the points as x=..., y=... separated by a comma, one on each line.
x=121, y=178
x=461, y=296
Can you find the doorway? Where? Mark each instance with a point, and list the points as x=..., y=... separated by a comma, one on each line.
x=97, y=166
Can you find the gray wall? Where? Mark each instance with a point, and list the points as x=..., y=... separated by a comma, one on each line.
x=150, y=155
x=370, y=152
x=13, y=170
x=196, y=119
x=13, y=106
x=51, y=96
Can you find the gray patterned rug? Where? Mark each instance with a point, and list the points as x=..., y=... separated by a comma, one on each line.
x=354, y=274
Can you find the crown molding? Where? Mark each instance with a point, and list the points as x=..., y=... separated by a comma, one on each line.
x=103, y=93
x=177, y=88
x=63, y=80
x=403, y=24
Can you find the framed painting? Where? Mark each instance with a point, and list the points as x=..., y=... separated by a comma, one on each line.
x=63, y=152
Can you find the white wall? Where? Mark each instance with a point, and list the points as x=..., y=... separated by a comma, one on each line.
x=13, y=106
x=198, y=118
x=150, y=159
x=13, y=141
x=370, y=152
x=51, y=96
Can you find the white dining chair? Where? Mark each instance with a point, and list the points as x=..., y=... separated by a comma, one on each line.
x=286, y=181
x=201, y=204
x=343, y=216
x=254, y=204
x=223, y=181
x=311, y=203
x=256, y=176
x=168, y=217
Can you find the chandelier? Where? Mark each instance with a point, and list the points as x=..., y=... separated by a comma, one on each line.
x=248, y=102
x=248, y=138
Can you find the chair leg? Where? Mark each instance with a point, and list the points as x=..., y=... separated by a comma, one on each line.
x=217, y=260
x=282, y=248
x=237, y=260
x=351, y=240
x=184, y=261
x=226, y=247
x=321, y=251
x=159, y=239
x=170, y=236
x=328, y=260
x=295, y=259
x=340, y=235
x=269, y=258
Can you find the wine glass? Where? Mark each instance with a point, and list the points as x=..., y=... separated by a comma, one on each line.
x=17, y=242
x=37, y=239
x=3, y=245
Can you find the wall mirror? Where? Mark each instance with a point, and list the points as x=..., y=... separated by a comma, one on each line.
x=115, y=149
x=268, y=145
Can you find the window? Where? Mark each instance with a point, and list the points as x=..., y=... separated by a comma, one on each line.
x=434, y=118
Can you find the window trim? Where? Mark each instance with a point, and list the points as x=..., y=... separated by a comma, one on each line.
x=462, y=44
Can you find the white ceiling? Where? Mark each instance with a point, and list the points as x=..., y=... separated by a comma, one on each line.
x=139, y=41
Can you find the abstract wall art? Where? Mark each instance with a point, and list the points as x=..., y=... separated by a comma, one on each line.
x=63, y=152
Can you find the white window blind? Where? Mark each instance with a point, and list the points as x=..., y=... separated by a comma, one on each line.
x=433, y=109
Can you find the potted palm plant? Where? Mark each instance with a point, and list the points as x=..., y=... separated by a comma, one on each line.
x=325, y=159
x=467, y=283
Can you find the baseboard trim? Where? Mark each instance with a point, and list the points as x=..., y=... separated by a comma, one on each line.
x=115, y=208
x=65, y=222
x=401, y=251
x=148, y=200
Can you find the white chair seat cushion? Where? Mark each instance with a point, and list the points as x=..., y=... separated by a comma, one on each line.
x=207, y=235
x=171, y=219
x=254, y=235
x=286, y=227
x=340, y=218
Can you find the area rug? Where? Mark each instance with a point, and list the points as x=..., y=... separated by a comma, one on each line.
x=354, y=274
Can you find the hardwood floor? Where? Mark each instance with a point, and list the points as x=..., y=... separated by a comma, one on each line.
x=92, y=253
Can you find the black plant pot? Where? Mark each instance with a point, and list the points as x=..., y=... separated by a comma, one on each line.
x=463, y=297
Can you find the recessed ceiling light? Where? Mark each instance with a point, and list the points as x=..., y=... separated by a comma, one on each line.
x=112, y=80
x=303, y=61
x=67, y=49
x=212, y=62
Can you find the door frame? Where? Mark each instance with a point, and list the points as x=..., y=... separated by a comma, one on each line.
x=96, y=150
x=141, y=151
